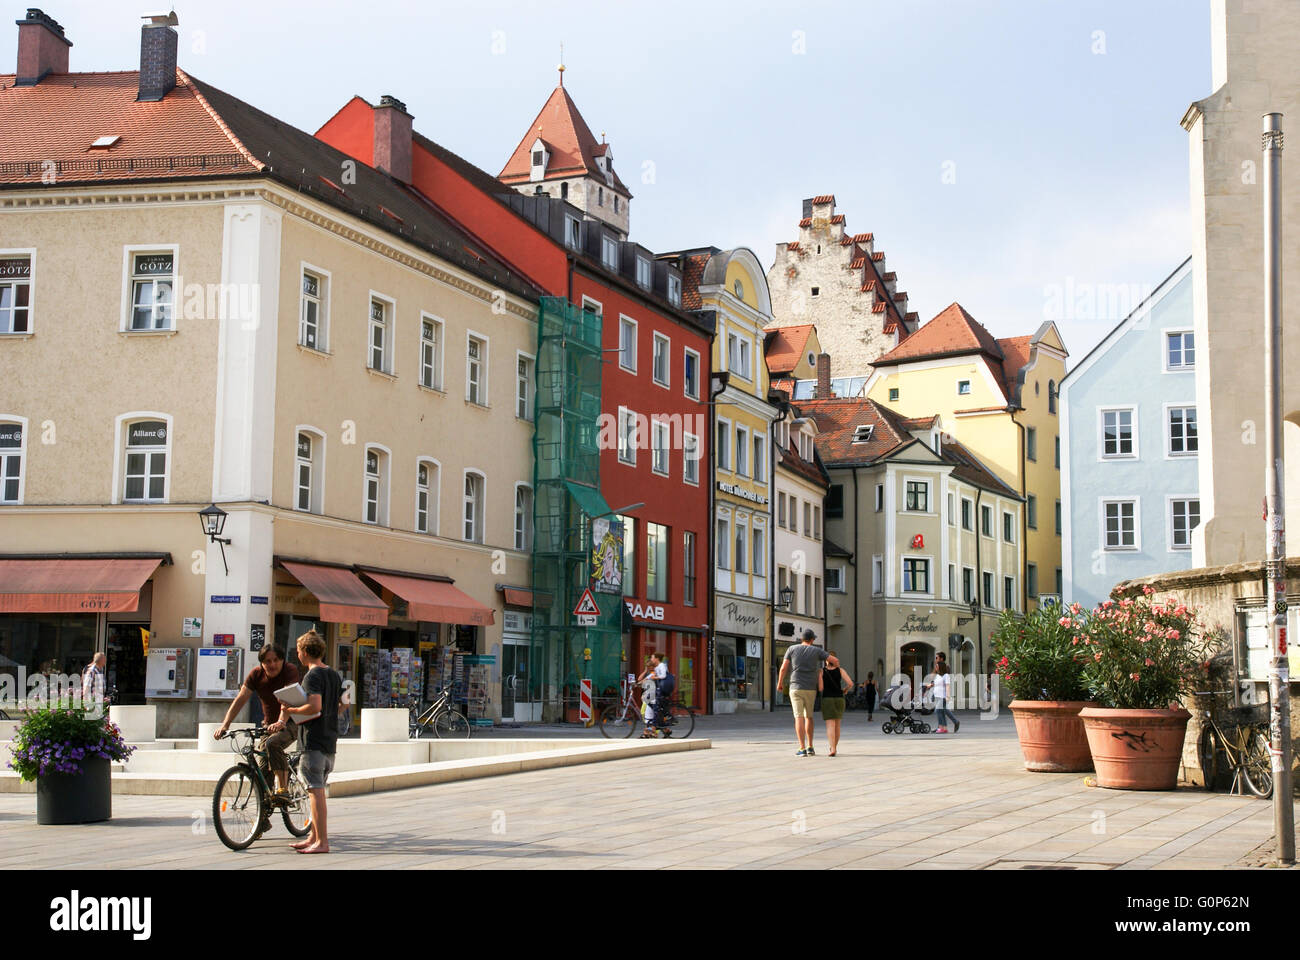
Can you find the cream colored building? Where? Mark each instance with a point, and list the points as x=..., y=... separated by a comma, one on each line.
x=359, y=408
x=1255, y=71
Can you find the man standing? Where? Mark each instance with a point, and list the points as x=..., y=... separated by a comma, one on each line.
x=323, y=687
x=803, y=664
x=92, y=682
x=271, y=674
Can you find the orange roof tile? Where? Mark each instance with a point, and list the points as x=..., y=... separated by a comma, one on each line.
x=857, y=263
x=864, y=237
x=824, y=198
x=879, y=307
x=784, y=347
x=838, y=218
x=868, y=286
x=806, y=222
x=1015, y=351
x=891, y=275
x=878, y=256
x=572, y=145
x=692, y=274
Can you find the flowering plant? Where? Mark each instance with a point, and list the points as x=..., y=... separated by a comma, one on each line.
x=1034, y=656
x=1140, y=654
x=57, y=738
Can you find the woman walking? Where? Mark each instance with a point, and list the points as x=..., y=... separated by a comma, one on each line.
x=869, y=689
x=832, y=683
x=942, y=687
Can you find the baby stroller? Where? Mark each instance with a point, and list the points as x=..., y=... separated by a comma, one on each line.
x=899, y=701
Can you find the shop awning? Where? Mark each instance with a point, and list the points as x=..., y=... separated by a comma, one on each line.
x=517, y=596
x=435, y=600
x=74, y=585
x=343, y=597
x=589, y=498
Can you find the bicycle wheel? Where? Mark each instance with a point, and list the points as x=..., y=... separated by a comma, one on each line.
x=238, y=807
x=1207, y=753
x=297, y=811
x=450, y=725
x=1257, y=765
x=618, y=722
x=681, y=721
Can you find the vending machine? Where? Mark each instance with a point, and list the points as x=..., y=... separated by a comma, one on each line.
x=220, y=673
x=168, y=673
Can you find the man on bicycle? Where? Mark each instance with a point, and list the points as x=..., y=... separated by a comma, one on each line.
x=271, y=674
x=650, y=679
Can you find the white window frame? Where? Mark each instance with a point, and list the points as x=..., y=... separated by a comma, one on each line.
x=742, y=450
x=1009, y=586
x=30, y=281
x=1168, y=412
x=759, y=463
x=627, y=441
x=644, y=266
x=383, y=492
x=880, y=498
x=722, y=540
x=758, y=548
x=1170, y=500
x=1008, y=527
x=986, y=510
x=667, y=354
x=878, y=575
x=686, y=382
x=483, y=360
x=525, y=382
x=1131, y=410
x=390, y=333
x=524, y=543
x=129, y=253
x=691, y=444
x=1181, y=333
x=572, y=232
x=478, y=521
x=317, y=467
x=1136, y=546
x=962, y=518
x=960, y=391
x=674, y=290
x=432, y=490
x=324, y=283
x=609, y=252
x=6, y=453
x=740, y=535
x=435, y=368
x=722, y=450
x=817, y=522
x=120, y=426
x=659, y=430
x=989, y=587
x=624, y=322
x=974, y=593
x=838, y=572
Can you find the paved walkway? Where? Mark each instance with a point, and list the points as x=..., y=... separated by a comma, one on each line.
x=961, y=802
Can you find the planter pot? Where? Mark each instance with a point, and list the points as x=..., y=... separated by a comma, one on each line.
x=1051, y=734
x=87, y=797
x=1136, y=749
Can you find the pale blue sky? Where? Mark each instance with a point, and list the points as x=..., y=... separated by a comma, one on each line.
x=1070, y=165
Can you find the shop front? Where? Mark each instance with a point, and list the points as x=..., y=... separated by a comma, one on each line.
x=919, y=634
x=682, y=648
x=739, y=638
x=521, y=692
x=788, y=633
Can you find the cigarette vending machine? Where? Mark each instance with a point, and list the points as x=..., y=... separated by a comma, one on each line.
x=168, y=673
x=220, y=673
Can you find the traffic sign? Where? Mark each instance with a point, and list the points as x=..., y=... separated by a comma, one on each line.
x=588, y=620
x=586, y=605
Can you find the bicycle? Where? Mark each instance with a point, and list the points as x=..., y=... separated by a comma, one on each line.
x=1246, y=750
x=672, y=717
x=440, y=717
x=242, y=801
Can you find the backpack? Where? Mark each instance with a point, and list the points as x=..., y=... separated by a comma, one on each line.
x=667, y=685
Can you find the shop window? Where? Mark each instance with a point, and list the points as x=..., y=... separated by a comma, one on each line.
x=145, y=462
x=15, y=294
x=472, y=512
x=11, y=461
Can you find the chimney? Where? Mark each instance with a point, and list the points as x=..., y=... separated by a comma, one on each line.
x=157, y=56
x=393, y=138
x=807, y=208
x=42, y=48
x=823, y=376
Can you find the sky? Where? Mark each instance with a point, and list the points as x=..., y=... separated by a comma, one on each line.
x=1021, y=157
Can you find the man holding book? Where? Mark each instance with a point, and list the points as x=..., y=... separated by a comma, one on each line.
x=323, y=687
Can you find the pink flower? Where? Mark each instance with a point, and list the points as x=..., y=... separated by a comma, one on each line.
x=1149, y=663
x=1180, y=610
x=1097, y=657
x=1074, y=642
x=1172, y=635
x=1075, y=608
x=1064, y=621
x=1136, y=676
x=1148, y=591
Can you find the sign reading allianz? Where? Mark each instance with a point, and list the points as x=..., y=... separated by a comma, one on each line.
x=741, y=492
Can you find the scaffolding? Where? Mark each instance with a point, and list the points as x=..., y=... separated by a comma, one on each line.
x=566, y=499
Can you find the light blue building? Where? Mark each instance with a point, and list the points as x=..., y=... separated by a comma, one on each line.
x=1129, y=497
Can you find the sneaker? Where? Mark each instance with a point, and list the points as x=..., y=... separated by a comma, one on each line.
x=801, y=753
x=942, y=730
x=812, y=752
x=956, y=724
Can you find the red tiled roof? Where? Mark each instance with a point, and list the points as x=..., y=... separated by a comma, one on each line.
x=878, y=256
x=838, y=218
x=692, y=274
x=891, y=275
x=1015, y=351
x=572, y=145
x=824, y=198
x=857, y=263
x=806, y=222
x=954, y=331
x=793, y=245
x=920, y=423
x=879, y=307
x=980, y=410
x=845, y=241
x=900, y=297
x=868, y=286
x=814, y=472
x=784, y=347
x=784, y=384
x=864, y=237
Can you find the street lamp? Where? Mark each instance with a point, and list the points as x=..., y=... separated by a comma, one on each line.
x=974, y=612
x=786, y=598
x=213, y=520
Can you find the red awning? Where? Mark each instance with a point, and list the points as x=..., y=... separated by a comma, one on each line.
x=517, y=597
x=90, y=585
x=435, y=601
x=343, y=597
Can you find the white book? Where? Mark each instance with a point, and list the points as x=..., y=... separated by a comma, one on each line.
x=295, y=696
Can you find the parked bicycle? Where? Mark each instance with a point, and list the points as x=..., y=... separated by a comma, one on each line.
x=1241, y=746
x=672, y=717
x=439, y=719
x=243, y=801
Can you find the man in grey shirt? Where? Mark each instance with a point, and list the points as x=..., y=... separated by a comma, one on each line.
x=803, y=664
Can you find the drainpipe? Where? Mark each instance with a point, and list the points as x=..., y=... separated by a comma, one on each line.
x=711, y=531
x=1024, y=517
x=771, y=563
x=979, y=576
x=857, y=578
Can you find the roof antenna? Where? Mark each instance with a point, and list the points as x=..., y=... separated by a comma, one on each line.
x=561, y=66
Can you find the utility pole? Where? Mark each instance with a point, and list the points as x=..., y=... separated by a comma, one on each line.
x=1275, y=507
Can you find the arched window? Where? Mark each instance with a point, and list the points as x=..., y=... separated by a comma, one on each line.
x=427, y=476
x=309, y=470
x=523, y=517
x=472, y=507
x=375, y=483
x=146, y=449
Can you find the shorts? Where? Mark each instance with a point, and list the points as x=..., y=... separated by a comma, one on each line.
x=832, y=708
x=316, y=767
x=802, y=701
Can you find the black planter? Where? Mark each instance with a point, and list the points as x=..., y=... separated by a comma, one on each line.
x=86, y=797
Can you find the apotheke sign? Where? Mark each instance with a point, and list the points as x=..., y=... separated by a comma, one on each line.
x=741, y=492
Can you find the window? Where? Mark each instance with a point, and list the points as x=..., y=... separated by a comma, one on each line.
x=431, y=353
x=794, y=513
x=627, y=344
x=656, y=562
x=305, y=465
x=564, y=191
x=1031, y=444
x=523, y=517
x=427, y=476
x=609, y=252
x=1008, y=593
x=311, y=321
x=967, y=584
x=1185, y=516
x=1060, y=582
x=1051, y=396
x=817, y=523
x=835, y=501
x=1058, y=518
x=1119, y=524
x=629, y=557
x=472, y=508
x=816, y=291
x=918, y=496
x=691, y=459
x=600, y=196
x=986, y=520
x=660, y=367
x=643, y=272
x=967, y=514
x=809, y=605
x=537, y=158
x=742, y=451
x=572, y=232
x=15, y=294
x=780, y=510
x=880, y=497
x=1031, y=579
x=916, y=575
x=1182, y=431
x=1118, y=438
x=893, y=394
x=742, y=546
x=1008, y=527
x=952, y=514
x=627, y=438
x=146, y=462
x=11, y=462
x=376, y=486
x=1031, y=512
x=877, y=575
x=524, y=386
x=760, y=446
x=659, y=447
x=835, y=579
x=723, y=543
x=381, y=345
x=1180, y=350
x=153, y=277
x=691, y=375
x=1058, y=453
x=476, y=367
x=723, y=445
x=862, y=432
x=952, y=581
x=807, y=518
x=759, y=566
x=963, y=388
x=739, y=287
x=738, y=356
x=675, y=290
x=988, y=590
x=688, y=569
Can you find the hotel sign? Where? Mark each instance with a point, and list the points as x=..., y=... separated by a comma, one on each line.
x=741, y=492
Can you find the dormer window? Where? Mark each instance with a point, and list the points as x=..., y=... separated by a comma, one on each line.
x=675, y=290
x=609, y=252
x=540, y=158
x=643, y=273
x=572, y=233
x=104, y=143
x=862, y=432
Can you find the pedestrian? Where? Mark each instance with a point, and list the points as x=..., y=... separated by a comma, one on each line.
x=92, y=682
x=323, y=687
x=802, y=664
x=832, y=683
x=869, y=690
x=942, y=687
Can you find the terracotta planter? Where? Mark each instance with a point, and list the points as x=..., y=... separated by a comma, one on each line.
x=1051, y=734
x=1136, y=749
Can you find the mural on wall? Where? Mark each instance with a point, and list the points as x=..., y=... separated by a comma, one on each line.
x=607, y=555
